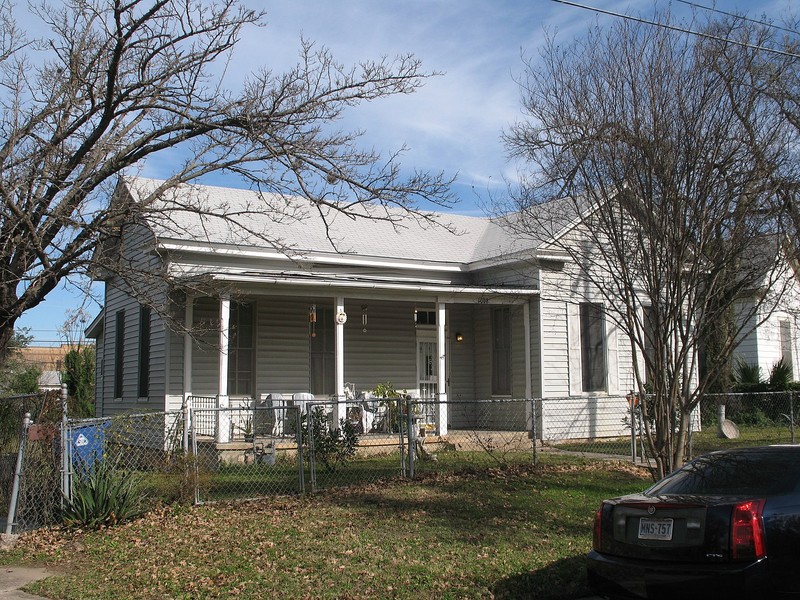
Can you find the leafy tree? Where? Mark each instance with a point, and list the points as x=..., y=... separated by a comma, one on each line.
x=15, y=376
x=670, y=162
x=78, y=374
x=115, y=84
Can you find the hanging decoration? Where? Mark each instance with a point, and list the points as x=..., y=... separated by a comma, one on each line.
x=364, y=318
x=312, y=321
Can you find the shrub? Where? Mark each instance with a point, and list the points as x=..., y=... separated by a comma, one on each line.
x=102, y=495
x=331, y=447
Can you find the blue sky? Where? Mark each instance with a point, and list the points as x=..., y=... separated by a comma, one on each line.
x=453, y=123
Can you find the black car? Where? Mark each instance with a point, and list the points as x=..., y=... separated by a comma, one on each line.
x=726, y=525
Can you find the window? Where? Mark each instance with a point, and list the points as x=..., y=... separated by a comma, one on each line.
x=425, y=317
x=119, y=352
x=786, y=343
x=501, y=351
x=322, y=355
x=144, y=351
x=241, y=350
x=593, y=364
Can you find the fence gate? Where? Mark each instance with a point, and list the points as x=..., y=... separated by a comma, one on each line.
x=264, y=454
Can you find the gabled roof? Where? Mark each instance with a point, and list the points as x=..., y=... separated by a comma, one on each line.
x=217, y=216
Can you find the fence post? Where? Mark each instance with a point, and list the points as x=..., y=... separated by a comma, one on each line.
x=533, y=427
x=12, y=505
x=631, y=398
x=411, y=438
x=187, y=415
x=311, y=415
x=791, y=413
x=66, y=487
x=299, y=438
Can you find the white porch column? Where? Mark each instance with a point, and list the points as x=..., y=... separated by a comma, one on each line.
x=526, y=324
x=223, y=402
x=188, y=321
x=441, y=349
x=339, y=410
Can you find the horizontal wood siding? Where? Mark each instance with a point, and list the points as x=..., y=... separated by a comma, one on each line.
x=118, y=300
x=462, y=366
x=282, y=347
x=536, y=348
x=555, y=351
x=519, y=275
x=483, y=352
x=205, y=351
x=175, y=345
x=99, y=372
x=387, y=351
x=137, y=246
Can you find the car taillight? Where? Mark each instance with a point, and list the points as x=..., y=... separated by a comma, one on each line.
x=598, y=527
x=747, y=531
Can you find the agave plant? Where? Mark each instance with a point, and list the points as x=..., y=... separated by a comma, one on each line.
x=102, y=495
x=747, y=374
x=781, y=376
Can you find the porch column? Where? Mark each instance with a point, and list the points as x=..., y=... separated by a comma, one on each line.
x=223, y=402
x=339, y=410
x=188, y=321
x=441, y=349
x=526, y=324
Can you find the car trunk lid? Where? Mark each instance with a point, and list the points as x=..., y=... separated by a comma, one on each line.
x=668, y=528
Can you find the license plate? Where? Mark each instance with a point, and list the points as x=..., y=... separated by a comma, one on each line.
x=655, y=529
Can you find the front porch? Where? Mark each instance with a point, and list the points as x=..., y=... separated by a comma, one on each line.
x=308, y=350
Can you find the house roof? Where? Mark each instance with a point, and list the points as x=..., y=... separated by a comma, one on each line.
x=218, y=216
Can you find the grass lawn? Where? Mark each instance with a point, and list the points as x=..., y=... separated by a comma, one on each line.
x=702, y=441
x=510, y=532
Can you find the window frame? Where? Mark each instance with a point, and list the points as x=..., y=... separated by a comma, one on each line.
x=119, y=354
x=236, y=366
x=143, y=381
x=594, y=359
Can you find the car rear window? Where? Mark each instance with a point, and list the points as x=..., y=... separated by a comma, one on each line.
x=746, y=473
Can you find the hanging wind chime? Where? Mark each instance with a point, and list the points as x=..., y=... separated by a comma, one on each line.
x=364, y=318
x=312, y=321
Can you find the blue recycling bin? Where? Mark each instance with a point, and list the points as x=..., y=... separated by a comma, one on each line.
x=86, y=443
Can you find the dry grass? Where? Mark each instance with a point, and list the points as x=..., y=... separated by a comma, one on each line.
x=494, y=533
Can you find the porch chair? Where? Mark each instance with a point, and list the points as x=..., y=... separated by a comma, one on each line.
x=277, y=405
x=302, y=400
x=371, y=411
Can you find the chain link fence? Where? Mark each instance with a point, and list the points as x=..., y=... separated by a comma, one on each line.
x=271, y=445
x=602, y=425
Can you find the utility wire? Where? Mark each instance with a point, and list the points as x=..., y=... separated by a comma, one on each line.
x=742, y=17
x=678, y=29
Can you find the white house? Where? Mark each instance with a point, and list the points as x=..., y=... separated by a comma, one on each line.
x=771, y=331
x=464, y=312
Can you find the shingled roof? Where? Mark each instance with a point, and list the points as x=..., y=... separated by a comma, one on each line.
x=219, y=216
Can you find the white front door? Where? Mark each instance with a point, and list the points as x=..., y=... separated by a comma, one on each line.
x=427, y=365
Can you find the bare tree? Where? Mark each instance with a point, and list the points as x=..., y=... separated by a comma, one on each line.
x=115, y=84
x=671, y=163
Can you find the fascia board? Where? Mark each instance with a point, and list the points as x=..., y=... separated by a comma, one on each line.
x=305, y=257
x=364, y=285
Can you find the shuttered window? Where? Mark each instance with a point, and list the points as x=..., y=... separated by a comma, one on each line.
x=144, y=351
x=786, y=343
x=501, y=351
x=119, y=352
x=593, y=363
